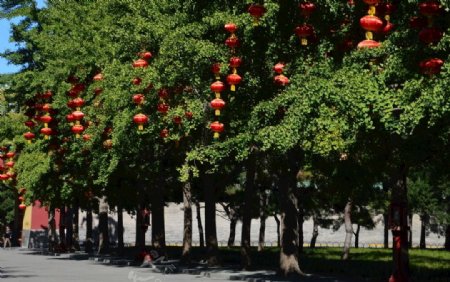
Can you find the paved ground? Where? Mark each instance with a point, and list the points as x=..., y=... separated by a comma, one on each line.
x=22, y=266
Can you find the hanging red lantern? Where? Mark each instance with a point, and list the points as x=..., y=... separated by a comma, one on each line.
x=233, y=80
x=10, y=164
x=217, y=128
x=281, y=80
x=86, y=137
x=46, y=131
x=77, y=129
x=98, y=91
x=136, y=81
x=188, y=114
x=70, y=104
x=138, y=99
x=70, y=118
x=371, y=24
x=235, y=62
x=146, y=55
x=231, y=27
x=78, y=102
x=303, y=32
x=256, y=11
x=217, y=87
x=140, y=120
x=215, y=68
x=177, y=119
x=431, y=66
x=163, y=108
x=46, y=120
x=372, y=4
x=9, y=155
x=11, y=175
x=232, y=42
x=430, y=35
x=98, y=77
x=46, y=108
x=78, y=115
x=22, y=206
x=164, y=133
x=4, y=177
x=163, y=93
x=368, y=44
x=29, y=136
x=430, y=8
x=388, y=28
x=140, y=63
x=278, y=68
x=30, y=123
x=217, y=104
x=307, y=8
x=21, y=198
x=47, y=94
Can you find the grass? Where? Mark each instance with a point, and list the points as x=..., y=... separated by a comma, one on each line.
x=367, y=264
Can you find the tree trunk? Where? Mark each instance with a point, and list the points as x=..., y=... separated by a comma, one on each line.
x=277, y=220
x=103, y=229
x=399, y=203
x=410, y=218
x=62, y=228
x=212, y=248
x=76, y=228
x=120, y=230
x=289, y=224
x=89, y=238
x=158, y=223
x=18, y=221
x=140, y=232
x=315, y=232
x=447, y=238
x=386, y=230
x=69, y=226
x=187, y=233
x=348, y=229
x=423, y=227
x=300, y=220
x=262, y=219
x=358, y=228
x=199, y=224
x=247, y=215
x=233, y=222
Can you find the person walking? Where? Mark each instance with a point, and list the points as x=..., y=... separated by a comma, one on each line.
x=7, y=237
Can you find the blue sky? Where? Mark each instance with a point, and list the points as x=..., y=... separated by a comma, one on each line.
x=5, y=44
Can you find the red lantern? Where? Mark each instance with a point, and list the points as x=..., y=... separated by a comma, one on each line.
x=138, y=99
x=140, y=120
x=304, y=31
x=232, y=42
x=140, y=63
x=46, y=131
x=188, y=115
x=98, y=77
x=22, y=206
x=217, y=104
x=235, y=62
x=70, y=104
x=77, y=129
x=256, y=11
x=9, y=155
x=11, y=175
x=388, y=28
x=78, y=102
x=177, y=120
x=278, y=68
x=163, y=93
x=86, y=137
x=430, y=35
x=307, y=8
x=429, y=8
x=70, y=118
x=47, y=94
x=371, y=2
x=146, y=55
x=368, y=44
x=46, y=120
x=233, y=80
x=21, y=198
x=47, y=107
x=30, y=123
x=217, y=87
x=78, y=115
x=136, y=81
x=371, y=24
x=431, y=66
x=230, y=27
x=10, y=164
x=29, y=136
x=217, y=128
x=163, y=108
x=98, y=91
x=281, y=80
x=164, y=133
x=4, y=177
x=215, y=68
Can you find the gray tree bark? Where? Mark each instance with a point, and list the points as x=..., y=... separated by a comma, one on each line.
x=348, y=229
x=187, y=233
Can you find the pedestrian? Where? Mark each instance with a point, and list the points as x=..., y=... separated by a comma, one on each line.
x=7, y=237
